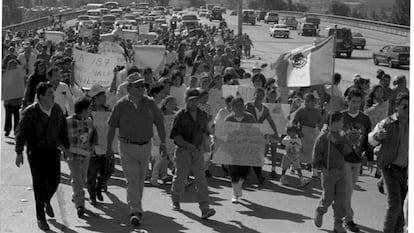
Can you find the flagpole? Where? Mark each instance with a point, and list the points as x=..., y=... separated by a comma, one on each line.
x=332, y=74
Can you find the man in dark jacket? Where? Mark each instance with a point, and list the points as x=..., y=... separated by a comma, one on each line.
x=43, y=129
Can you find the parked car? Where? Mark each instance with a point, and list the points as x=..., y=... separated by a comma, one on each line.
x=358, y=40
x=260, y=15
x=108, y=21
x=392, y=55
x=249, y=17
x=308, y=29
x=290, y=21
x=233, y=13
x=279, y=30
x=271, y=17
x=343, y=41
x=189, y=21
x=82, y=18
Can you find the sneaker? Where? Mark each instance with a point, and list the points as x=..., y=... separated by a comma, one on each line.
x=352, y=226
x=80, y=211
x=339, y=229
x=207, y=214
x=273, y=174
x=283, y=180
x=380, y=186
x=6, y=134
x=377, y=175
x=318, y=218
x=135, y=219
x=235, y=199
x=104, y=188
x=176, y=206
x=93, y=200
x=304, y=182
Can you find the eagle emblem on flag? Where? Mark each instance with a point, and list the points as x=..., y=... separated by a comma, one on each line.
x=298, y=60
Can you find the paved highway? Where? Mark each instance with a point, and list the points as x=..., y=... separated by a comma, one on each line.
x=269, y=49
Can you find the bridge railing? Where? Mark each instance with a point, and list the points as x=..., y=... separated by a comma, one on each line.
x=389, y=28
x=347, y=21
x=42, y=22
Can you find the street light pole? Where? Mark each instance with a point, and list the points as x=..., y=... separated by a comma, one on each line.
x=239, y=14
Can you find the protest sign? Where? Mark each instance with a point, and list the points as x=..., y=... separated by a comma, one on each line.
x=54, y=36
x=85, y=32
x=229, y=90
x=377, y=112
x=100, y=121
x=12, y=84
x=130, y=34
x=279, y=114
x=150, y=36
x=239, y=144
x=93, y=69
x=247, y=93
x=107, y=37
x=152, y=56
x=110, y=47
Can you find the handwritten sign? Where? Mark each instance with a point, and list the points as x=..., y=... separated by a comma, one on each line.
x=239, y=144
x=279, y=114
x=54, y=36
x=114, y=50
x=85, y=32
x=150, y=36
x=377, y=112
x=245, y=82
x=93, y=69
x=100, y=121
x=130, y=34
x=152, y=56
x=12, y=84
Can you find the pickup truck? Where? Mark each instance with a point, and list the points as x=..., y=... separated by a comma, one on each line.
x=290, y=21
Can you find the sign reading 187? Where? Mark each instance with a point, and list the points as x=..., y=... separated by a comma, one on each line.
x=100, y=61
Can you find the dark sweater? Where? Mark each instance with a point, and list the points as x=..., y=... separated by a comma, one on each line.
x=40, y=131
x=320, y=152
x=363, y=123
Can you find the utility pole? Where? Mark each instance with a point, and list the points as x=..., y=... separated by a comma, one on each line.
x=240, y=16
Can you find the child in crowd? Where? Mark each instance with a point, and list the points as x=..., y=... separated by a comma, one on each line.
x=80, y=134
x=100, y=166
x=332, y=164
x=293, y=146
x=160, y=165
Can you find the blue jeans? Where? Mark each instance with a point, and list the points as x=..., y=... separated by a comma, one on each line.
x=397, y=187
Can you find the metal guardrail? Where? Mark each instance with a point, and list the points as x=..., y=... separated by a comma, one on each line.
x=42, y=22
x=389, y=28
x=347, y=21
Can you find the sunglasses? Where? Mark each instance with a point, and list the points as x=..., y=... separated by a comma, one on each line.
x=139, y=85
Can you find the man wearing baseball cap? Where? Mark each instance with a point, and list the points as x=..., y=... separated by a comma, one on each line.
x=189, y=129
x=134, y=116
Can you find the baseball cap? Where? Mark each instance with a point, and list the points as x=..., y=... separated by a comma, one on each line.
x=357, y=76
x=96, y=90
x=192, y=93
x=135, y=78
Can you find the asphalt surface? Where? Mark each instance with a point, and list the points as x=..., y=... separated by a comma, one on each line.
x=270, y=208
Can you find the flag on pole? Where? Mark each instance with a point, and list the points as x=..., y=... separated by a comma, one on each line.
x=307, y=65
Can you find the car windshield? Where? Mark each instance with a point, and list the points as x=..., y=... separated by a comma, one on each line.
x=308, y=26
x=357, y=34
x=83, y=18
x=109, y=18
x=189, y=17
x=401, y=49
x=272, y=14
x=280, y=26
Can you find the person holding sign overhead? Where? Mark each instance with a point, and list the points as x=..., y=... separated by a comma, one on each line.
x=261, y=113
x=238, y=173
x=135, y=115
